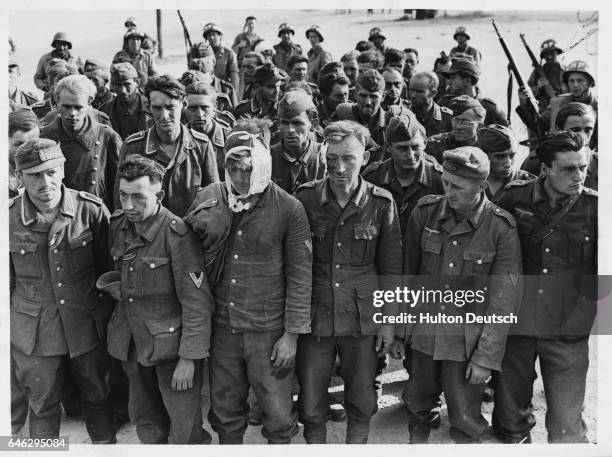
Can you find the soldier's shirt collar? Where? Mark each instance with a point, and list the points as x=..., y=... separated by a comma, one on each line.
x=475, y=216
x=86, y=137
x=304, y=157
x=422, y=175
x=29, y=213
x=149, y=229
x=437, y=112
x=358, y=198
x=154, y=144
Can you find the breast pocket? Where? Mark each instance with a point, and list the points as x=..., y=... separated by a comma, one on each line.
x=366, y=240
x=431, y=249
x=581, y=247
x=166, y=335
x=320, y=243
x=477, y=262
x=25, y=259
x=81, y=252
x=155, y=276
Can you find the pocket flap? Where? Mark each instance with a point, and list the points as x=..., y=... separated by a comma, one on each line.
x=22, y=247
x=429, y=245
x=580, y=237
x=318, y=231
x=170, y=325
x=154, y=262
x=31, y=309
x=82, y=240
x=479, y=257
x=366, y=232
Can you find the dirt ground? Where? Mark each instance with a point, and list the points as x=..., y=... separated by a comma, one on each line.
x=98, y=34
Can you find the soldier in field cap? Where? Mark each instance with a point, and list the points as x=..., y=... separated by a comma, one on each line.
x=266, y=83
x=462, y=240
x=58, y=240
x=500, y=144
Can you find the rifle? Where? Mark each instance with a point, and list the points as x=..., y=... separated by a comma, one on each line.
x=536, y=65
x=519, y=79
x=188, y=43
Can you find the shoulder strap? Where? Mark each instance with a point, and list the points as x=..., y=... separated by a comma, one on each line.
x=547, y=228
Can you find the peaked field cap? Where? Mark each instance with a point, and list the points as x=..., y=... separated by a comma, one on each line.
x=462, y=103
x=403, y=128
x=371, y=80
x=123, y=71
x=267, y=73
x=294, y=103
x=464, y=64
x=467, y=162
x=37, y=155
x=496, y=138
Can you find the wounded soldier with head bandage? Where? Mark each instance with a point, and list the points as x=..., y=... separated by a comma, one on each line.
x=257, y=246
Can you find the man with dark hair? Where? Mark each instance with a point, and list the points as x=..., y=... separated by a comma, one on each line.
x=201, y=115
x=143, y=61
x=62, y=45
x=501, y=146
x=297, y=158
x=187, y=155
x=91, y=148
x=370, y=60
x=251, y=62
x=286, y=48
x=408, y=175
x=356, y=248
x=411, y=61
x=364, y=45
x=422, y=91
x=334, y=89
x=463, y=77
x=394, y=58
x=259, y=312
x=459, y=240
x=468, y=116
x=297, y=68
x=226, y=63
x=58, y=247
x=266, y=90
x=161, y=327
x=394, y=87
x=351, y=70
x=317, y=56
x=558, y=231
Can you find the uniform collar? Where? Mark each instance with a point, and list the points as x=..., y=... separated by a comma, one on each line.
x=217, y=135
x=358, y=198
x=150, y=229
x=304, y=157
x=29, y=213
x=423, y=176
x=436, y=112
x=87, y=137
x=538, y=193
x=474, y=218
x=153, y=143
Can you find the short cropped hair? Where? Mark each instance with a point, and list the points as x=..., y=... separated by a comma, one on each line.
x=166, y=84
x=201, y=88
x=136, y=166
x=563, y=141
x=351, y=55
x=77, y=85
x=327, y=82
x=296, y=59
x=339, y=131
x=434, y=81
x=256, y=126
x=573, y=109
x=364, y=45
x=394, y=56
x=22, y=120
x=414, y=51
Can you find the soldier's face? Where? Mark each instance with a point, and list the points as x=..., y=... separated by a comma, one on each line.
x=461, y=38
x=250, y=24
x=457, y=83
x=139, y=198
x=465, y=126
x=200, y=110
x=339, y=94
x=344, y=161
x=550, y=56
x=166, y=112
x=249, y=65
x=577, y=83
x=462, y=193
x=314, y=39
x=134, y=44
x=298, y=71
x=99, y=82
x=351, y=69
x=286, y=36
x=296, y=130
x=368, y=102
x=240, y=175
x=125, y=90
x=407, y=155
x=501, y=164
x=379, y=42
x=365, y=66
x=393, y=85
x=214, y=38
x=584, y=125
x=399, y=66
x=62, y=48
x=419, y=93
x=567, y=172
x=45, y=186
x=270, y=92
x=72, y=109
x=412, y=61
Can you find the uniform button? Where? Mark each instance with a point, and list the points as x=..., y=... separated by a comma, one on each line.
x=586, y=238
x=173, y=221
x=22, y=252
x=547, y=250
x=97, y=142
x=479, y=261
x=239, y=233
x=451, y=264
x=55, y=251
x=485, y=288
x=231, y=303
x=497, y=210
x=131, y=268
x=339, y=244
x=58, y=268
x=84, y=243
x=544, y=270
x=235, y=256
x=59, y=284
x=342, y=223
x=369, y=237
x=130, y=299
x=337, y=266
x=93, y=182
x=37, y=379
x=540, y=291
x=62, y=302
x=96, y=156
x=454, y=242
x=95, y=168
x=152, y=265
x=233, y=281
x=171, y=329
x=337, y=284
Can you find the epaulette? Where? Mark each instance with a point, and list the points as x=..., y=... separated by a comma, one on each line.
x=505, y=215
x=40, y=104
x=243, y=102
x=117, y=213
x=313, y=85
x=429, y=200
x=177, y=225
x=11, y=202
x=208, y=203
x=307, y=185
x=199, y=136
x=135, y=136
x=225, y=118
x=487, y=100
x=435, y=164
x=222, y=82
x=380, y=192
x=590, y=192
x=447, y=110
x=371, y=168
x=517, y=183
x=91, y=197
x=103, y=115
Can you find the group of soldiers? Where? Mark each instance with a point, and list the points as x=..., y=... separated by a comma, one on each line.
x=247, y=211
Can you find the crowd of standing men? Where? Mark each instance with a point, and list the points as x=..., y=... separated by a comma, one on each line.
x=246, y=212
